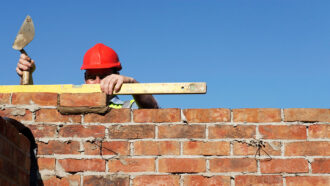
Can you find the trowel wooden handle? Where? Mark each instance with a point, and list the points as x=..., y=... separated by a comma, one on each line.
x=26, y=74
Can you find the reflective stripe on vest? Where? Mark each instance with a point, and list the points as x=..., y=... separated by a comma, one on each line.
x=126, y=104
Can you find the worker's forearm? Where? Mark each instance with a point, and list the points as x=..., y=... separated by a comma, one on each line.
x=30, y=79
x=146, y=101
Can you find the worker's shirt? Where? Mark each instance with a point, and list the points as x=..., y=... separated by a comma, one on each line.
x=116, y=103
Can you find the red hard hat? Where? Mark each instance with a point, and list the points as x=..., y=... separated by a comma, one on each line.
x=100, y=56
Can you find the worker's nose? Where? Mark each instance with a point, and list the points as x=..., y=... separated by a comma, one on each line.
x=97, y=80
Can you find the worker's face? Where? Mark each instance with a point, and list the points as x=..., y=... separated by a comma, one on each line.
x=94, y=76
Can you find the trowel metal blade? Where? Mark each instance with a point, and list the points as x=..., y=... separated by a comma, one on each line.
x=25, y=34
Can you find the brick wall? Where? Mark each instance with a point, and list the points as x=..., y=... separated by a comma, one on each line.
x=173, y=146
x=14, y=155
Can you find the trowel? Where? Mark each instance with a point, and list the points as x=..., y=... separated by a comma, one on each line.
x=23, y=38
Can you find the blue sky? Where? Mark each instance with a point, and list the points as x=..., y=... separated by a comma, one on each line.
x=251, y=54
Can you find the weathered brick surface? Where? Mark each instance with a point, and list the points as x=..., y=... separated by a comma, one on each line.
x=233, y=165
x=52, y=115
x=320, y=165
x=58, y=147
x=46, y=163
x=131, y=131
x=258, y=115
x=156, y=148
x=203, y=180
x=107, y=148
x=308, y=181
x=42, y=99
x=244, y=149
x=319, y=131
x=283, y=131
x=156, y=115
x=308, y=148
x=113, y=116
x=43, y=130
x=207, y=115
x=96, y=131
x=284, y=165
x=83, y=99
x=269, y=180
x=173, y=180
x=65, y=181
x=19, y=114
x=132, y=165
x=181, y=131
x=4, y=98
x=228, y=131
x=307, y=114
x=177, y=165
x=81, y=165
x=111, y=180
x=206, y=148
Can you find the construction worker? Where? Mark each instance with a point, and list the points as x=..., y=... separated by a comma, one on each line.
x=102, y=67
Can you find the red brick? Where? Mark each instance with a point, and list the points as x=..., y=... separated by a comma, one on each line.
x=320, y=165
x=52, y=115
x=83, y=99
x=157, y=115
x=82, y=165
x=44, y=130
x=58, y=147
x=229, y=131
x=207, y=115
x=319, y=131
x=111, y=180
x=283, y=131
x=132, y=165
x=156, y=148
x=131, y=131
x=181, y=131
x=284, y=165
x=308, y=181
x=307, y=114
x=42, y=99
x=96, y=131
x=182, y=165
x=65, y=181
x=4, y=98
x=198, y=180
x=17, y=114
x=233, y=165
x=206, y=148
x=245, y=149
x=108, y=148
x=46, y=163
x=114, y=116
x=308, y=148
x=271, y=180
x=157, y=180
x=257, y=115
x=115, y=147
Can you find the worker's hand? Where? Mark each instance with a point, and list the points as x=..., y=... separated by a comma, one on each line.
x=113, y=83
x=25, y=65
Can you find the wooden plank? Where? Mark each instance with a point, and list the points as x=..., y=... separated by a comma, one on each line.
x=126, y=89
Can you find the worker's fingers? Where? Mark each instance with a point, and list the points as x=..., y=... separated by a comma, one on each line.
x=23, y=67
x=119, y=83
x=24, y=62
x=112, y=83
x=19, y=72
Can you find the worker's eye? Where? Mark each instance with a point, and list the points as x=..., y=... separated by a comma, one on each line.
x=90, y=76
x=93, y=76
